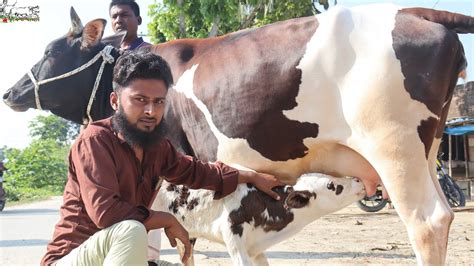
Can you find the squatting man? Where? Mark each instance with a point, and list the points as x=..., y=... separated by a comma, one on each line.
x=114, y=166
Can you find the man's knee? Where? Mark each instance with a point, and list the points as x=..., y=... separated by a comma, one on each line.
x=131, y=230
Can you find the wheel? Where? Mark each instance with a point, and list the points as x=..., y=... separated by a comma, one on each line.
x=374, y=203
x=454, y=194
x=2, y=205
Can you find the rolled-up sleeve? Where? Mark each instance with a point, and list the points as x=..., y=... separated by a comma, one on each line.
x=96, y=174
x=185, y=170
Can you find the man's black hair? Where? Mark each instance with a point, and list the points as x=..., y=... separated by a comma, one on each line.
x=140, y=64
x=131, y=3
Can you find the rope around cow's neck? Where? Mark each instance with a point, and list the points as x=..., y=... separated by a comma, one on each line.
x=107, y=58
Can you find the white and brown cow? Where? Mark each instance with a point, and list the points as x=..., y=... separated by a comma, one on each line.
x=248, y=221
x=360, y=91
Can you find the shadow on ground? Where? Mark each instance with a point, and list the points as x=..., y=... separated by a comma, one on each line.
x=299, y=255
x=23, y=243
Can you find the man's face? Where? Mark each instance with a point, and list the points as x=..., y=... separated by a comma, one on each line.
x=123, y=19
x=142, y=102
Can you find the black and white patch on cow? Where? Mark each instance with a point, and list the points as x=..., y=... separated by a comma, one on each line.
x=249, y=221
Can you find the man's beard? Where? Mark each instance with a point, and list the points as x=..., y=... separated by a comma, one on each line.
x=133, y=135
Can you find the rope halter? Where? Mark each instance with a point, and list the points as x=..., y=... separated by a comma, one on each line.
x=106, y=57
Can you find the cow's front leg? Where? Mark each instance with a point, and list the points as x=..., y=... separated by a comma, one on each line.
x=260, y=260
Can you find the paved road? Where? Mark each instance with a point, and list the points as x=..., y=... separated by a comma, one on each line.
x=26, y=230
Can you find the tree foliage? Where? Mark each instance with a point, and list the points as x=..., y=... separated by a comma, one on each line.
x=40, y=169
x=42, y=165
x=54, y=128
x=2, y=153
x=175, y=19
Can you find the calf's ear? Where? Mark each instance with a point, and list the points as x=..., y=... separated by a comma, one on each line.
x=92, y=33
x=299, y=199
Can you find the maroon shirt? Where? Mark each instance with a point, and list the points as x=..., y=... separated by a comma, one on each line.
x=106, y=184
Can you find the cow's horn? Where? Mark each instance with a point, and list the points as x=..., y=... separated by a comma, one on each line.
x=76, y=24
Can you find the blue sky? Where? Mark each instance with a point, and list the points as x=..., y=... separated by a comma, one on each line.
x=23, y=43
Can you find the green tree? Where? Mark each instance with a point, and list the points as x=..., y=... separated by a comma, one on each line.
x=38, y=170
x=2, y=153
x=54, y=128
x=175, y=19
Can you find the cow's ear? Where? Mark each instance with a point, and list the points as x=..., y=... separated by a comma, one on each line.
x=92, y=33
x=299, y=199
x=116, y=39
x=288, y=189
x=76, y=24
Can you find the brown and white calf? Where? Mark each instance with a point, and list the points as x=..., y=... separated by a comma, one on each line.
x=248, y=221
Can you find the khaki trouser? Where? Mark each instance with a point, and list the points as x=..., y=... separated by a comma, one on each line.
x=124, y=243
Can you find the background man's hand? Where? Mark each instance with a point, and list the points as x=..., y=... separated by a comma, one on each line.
x=264, y=182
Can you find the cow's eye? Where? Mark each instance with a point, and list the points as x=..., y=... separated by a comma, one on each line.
x=51, y=53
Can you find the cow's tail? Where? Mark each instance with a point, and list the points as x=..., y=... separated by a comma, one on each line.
x=453, y=21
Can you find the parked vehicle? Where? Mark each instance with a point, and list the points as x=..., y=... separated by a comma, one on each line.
x=3, y=198
x=374, y=203
x=452, y=192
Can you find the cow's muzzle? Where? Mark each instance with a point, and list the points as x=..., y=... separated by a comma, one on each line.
x=7, y=99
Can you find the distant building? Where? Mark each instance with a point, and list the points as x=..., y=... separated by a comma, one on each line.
x=460, y=125
x=462, y=104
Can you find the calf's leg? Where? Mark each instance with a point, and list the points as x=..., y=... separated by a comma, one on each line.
x=237, y=249
x=260, y=260
x=180, y=247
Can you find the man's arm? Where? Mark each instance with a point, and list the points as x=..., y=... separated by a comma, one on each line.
x=186, y=170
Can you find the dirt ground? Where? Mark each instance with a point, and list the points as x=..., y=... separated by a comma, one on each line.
x=350, y=236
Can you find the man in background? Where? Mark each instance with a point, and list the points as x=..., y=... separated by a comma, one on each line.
x=125, y=16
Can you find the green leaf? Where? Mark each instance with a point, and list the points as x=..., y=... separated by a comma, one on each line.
x=199, y=15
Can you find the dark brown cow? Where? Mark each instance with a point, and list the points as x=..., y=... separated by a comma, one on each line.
x=353, y=92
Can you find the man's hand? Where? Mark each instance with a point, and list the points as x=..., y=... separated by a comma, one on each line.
x=263, y=182
x=173, y=230
x=176, y=230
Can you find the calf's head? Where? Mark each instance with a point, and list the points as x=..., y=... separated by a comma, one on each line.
x=323, y=194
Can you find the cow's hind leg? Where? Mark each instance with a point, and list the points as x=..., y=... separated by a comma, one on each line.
x=402, y=164
x=434, y=177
